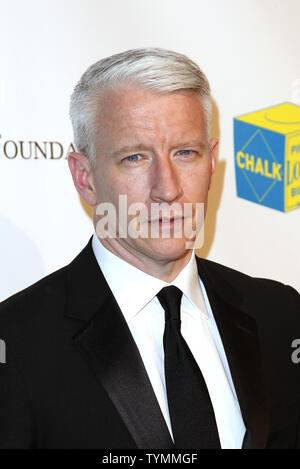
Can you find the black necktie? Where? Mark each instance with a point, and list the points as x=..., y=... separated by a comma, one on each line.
x=191, y=411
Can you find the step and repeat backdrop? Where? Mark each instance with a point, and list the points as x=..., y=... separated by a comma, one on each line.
x=249, y=51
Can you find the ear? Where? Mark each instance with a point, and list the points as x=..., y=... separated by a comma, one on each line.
x=213, y=148
x=83, y=177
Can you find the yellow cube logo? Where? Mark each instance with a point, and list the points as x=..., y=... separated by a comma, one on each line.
x=267, y=156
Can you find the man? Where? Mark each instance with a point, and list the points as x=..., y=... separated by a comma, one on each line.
x=137, y=343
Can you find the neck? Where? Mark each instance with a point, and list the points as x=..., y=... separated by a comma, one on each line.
x=164, y=269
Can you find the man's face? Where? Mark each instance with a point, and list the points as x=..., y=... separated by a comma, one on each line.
x=153, y=149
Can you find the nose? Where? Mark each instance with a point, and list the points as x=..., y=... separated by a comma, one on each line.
x=166, y=186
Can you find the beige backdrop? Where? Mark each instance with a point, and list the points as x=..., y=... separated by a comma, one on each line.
x=250, y=52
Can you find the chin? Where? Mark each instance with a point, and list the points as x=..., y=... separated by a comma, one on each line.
x=167, y=249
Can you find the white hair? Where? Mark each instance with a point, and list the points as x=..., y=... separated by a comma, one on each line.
x=157, y=70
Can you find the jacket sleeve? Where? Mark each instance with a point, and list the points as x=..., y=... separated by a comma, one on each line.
x=16, y=419
x=298, y=434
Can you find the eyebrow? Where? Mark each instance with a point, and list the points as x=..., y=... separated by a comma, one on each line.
x=192, y=143
x=140, y=147
x=128, y=149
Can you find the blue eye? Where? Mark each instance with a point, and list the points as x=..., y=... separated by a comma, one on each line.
x=185, y=152
x=133, y=158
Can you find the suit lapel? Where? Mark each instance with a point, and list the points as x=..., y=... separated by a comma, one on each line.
x=109, y=348
x=240, y=339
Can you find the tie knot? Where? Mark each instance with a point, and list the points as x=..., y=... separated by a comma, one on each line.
x=170, y=299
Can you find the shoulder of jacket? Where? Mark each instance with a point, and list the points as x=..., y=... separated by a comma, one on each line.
x=33, y=299
x=250, y=283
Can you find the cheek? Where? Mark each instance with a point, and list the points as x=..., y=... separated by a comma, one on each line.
x=196, y=184
x=112, y=184
x=106, y=186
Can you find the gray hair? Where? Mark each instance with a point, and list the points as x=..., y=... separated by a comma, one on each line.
x=157, y=70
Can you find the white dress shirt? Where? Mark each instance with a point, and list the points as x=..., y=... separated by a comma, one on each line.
x=135, y=292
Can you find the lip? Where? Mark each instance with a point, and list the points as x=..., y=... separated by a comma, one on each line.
x=168, y=223
x=166, y=220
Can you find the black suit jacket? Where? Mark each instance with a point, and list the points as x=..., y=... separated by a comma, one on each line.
x=74, y=378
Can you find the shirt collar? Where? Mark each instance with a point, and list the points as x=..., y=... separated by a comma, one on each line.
x=134, y=289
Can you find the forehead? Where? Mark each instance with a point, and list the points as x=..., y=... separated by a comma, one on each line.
x=136, y=111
